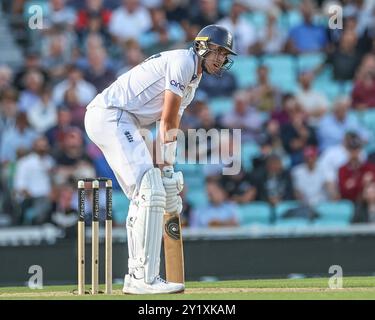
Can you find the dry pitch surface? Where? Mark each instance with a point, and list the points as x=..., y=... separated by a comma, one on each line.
x=291, y=289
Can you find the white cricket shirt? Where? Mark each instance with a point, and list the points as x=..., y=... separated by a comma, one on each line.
x=140, y=91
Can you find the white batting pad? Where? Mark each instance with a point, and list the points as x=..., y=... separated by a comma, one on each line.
x=145, y=227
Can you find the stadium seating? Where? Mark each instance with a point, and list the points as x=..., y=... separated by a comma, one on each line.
x=331, y=89
x=220, y=105
x=293, y=222
x=310, y=61
x=290, y=19
x=120, y=205
x=193, y=174
x=368, y=119
x=257, y=19
x=257, y=212
x=282, y=71
x=244, y=69
x=337, y=213
x=248, y=152
x=282, y=208
x=197, y=197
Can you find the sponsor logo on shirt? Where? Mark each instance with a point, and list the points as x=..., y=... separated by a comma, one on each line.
x=128, y=136
x=177, y=85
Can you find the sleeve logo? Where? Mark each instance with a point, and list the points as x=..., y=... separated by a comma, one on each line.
x=177, y=85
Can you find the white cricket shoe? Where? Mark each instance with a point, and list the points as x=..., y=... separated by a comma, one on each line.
x=133, y=285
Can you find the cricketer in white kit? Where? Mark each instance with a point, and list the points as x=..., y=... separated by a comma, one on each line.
x=159, y=88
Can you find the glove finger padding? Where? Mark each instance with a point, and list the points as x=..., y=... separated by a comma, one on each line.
x=173, y=204
x=179, y=180
x=179, y=205
x=173, y=184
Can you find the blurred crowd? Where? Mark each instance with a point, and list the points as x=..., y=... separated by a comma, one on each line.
x=310, y=148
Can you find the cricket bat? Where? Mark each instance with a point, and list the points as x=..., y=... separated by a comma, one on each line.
x=173, y=248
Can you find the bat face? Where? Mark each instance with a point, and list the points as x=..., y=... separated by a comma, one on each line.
x=173, y=248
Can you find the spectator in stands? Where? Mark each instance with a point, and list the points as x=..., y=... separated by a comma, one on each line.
x=362, y=10
x=55, y=135
x=94, y=18
x=273, y=134
x=259, y=161
x=271, y=38
x=59, y=14
x=43, y=115
x=333, y=126
x=266, y=5
x=56, y=56
x=333, y=34
x=95, y=25
x=214, y=87
x=8, y=113
x=335, y=157
x=355, y=174
x=32, y=62
x=365, y=208
x=307, y=37
x=346, y=58
x=98, y=73
x=264, y=95
x=8, y=109
x=84, y=90
x=275, y=183
x=219, y=213
x=186, y=213
x=243, y=32
x=308, y=179
x=133, y=55
x=76, y=108
x=367, y=65
x=220, y=153
x=296, y=135
x=244, y=117
x=92, y=42
x=6, y=77
x=239, y=187
x=33, y=89
x=207, y=12
x=18, y=138
x=314, y=103
x=92, y=8
x=32, y=183
x=363, y=93
x=288, y=105
x=64, y=213
x=206, y=120
x=129, y=21
x=176, y=11
x=101, y=166
x=190, y=119
x=71, y=159
x=163, y=34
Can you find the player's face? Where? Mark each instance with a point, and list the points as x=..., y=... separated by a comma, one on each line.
x=215, y=59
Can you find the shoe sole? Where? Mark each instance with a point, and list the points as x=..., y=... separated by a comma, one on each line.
x=138, y=293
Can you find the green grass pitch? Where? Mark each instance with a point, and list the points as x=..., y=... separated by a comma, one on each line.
x=285, y=289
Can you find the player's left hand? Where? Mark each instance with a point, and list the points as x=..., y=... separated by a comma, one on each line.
x=173, y=183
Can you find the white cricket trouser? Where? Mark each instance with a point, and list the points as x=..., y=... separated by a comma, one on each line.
x=116, y=133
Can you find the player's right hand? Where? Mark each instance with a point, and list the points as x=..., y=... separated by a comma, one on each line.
x=173, y=183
